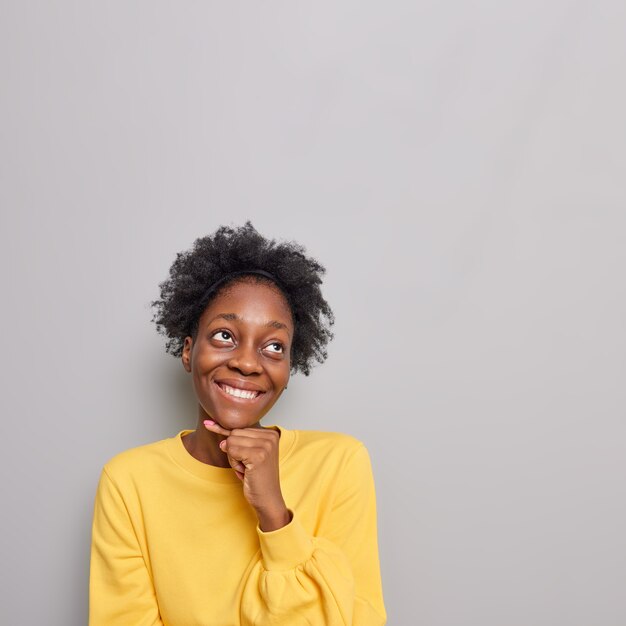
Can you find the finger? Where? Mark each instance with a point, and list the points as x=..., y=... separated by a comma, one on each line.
x=238, y=445
x=216, y=428
x=260, y=429
x=250, y=457
x=256, y=433
x=239, y=468
x=236, y=464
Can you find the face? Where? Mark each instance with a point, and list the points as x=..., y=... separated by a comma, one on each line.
x=239, y=360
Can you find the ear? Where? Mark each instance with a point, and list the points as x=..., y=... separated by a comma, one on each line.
x=186, y=355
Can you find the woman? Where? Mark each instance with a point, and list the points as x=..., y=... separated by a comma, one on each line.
x=234, y=522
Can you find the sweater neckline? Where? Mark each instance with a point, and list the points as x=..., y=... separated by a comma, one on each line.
x=212, y=473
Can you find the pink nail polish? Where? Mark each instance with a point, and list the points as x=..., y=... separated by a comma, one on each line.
x=209, y=422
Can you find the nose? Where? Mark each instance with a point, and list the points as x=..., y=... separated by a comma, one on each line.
x=245, y=360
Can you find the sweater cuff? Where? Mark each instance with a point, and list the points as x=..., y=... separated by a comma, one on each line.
x=286, y=547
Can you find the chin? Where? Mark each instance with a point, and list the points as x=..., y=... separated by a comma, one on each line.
x=235, y=419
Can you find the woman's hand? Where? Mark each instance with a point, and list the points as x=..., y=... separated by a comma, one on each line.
x=253, y=455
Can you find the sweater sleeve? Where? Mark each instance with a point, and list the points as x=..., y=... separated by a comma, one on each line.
x=121, y=591
x=330, y=579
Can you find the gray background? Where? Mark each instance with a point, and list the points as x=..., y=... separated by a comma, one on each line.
x=459, y=169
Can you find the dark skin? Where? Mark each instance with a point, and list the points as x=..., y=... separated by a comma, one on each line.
x=240, y=366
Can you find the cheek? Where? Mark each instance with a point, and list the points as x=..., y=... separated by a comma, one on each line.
x=280, y=375
x=206, y=361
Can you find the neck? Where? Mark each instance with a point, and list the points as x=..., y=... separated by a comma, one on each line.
x=203, y=445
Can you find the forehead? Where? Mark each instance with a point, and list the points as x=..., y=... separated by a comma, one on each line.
x=252, y=301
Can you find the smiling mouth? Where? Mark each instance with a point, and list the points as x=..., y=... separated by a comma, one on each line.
x=239, y=394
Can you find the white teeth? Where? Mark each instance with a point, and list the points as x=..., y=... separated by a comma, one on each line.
x=239, y=393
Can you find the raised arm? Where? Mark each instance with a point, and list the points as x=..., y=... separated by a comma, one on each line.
x=332, y=579
x=121, y=591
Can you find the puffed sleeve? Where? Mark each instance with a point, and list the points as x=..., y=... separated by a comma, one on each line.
x=331, y=579
x=120, y=587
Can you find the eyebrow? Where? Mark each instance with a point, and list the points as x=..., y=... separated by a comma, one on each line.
x=233, y=317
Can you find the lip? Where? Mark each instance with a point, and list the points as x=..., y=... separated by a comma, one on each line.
x=239, y=384
x=235, y=398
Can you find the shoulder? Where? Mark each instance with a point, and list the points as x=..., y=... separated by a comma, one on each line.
x=341, y=443
x=338, y=463
x=332, y=449
x=135, y=462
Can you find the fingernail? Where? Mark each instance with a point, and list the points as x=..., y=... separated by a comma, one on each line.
x=209, y=422
x=222, y=443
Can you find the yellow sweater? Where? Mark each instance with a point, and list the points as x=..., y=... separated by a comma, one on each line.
x=175, y=543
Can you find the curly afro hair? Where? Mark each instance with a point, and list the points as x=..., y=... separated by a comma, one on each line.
x=184, y=295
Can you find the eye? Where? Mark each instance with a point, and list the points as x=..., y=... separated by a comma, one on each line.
x=276, y=348
x=222, y=335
